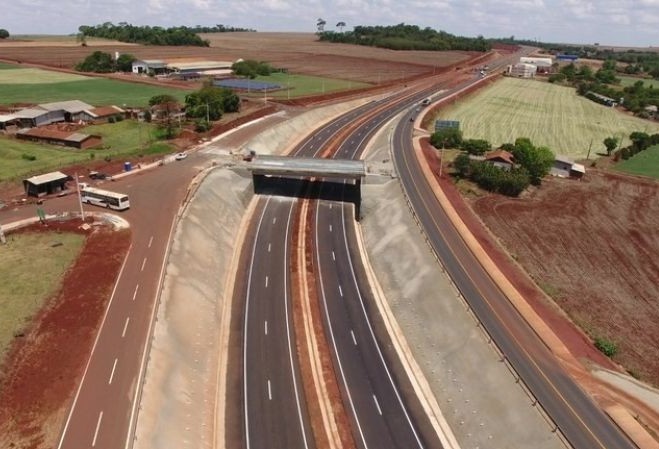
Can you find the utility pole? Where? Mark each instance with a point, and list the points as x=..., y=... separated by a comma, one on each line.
x=441, y=158
x=82, y=212
x=208, y=119
x=589, y=147
x=2, y=236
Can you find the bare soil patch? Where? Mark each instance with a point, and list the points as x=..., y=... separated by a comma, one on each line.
x=42, y=369
x=592, y=246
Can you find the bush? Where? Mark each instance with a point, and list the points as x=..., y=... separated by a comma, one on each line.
x=201, y=126
x=111, y=119
x=28, y=157
x=606, y=347
x=92, y=156
x=119, y=118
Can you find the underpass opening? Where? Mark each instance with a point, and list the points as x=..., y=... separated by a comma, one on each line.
x=309, y=178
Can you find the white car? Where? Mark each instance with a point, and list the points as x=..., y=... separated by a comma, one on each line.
x=181, y=156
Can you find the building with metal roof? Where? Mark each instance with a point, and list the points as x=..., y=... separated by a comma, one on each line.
x=155, y=66
x=62, y=138
x=45, y=184
x=70, y=106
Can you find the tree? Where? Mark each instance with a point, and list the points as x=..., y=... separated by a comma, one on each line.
x=4, y=34
x=462, y=165
x=320, y=25
x=536, y=160
x=99, y=62
x=476, y=146
x=610, y=143
x=340, y=26
x=124, y=62
x=211, y=102
x=446, y=138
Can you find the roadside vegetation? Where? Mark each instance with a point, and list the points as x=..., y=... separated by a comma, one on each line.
x=404, y=37
x=549, y=115
x=31, y=267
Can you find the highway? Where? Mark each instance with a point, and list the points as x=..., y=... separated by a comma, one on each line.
x=580, y=420
x=379, y=415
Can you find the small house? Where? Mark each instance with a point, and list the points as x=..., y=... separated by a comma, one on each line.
x=146, y=66
x=500, y=158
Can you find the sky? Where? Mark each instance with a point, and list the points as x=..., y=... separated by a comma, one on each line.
x=607, y=22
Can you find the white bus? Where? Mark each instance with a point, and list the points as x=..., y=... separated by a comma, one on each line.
x=104, y=198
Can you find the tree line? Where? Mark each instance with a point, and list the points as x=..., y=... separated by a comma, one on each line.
x=405, y=37
x=634, y=98
x=146, y=35
x=219, y=28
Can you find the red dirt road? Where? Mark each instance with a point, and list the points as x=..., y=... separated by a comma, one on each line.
x=42, y=369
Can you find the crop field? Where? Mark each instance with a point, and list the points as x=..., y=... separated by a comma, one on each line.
x=302, y=85
x=630, y=80
x=119, y=139
x=549, y=115
x=296, y=52
x=29, y=85
x=645, y=163
x=30, y=271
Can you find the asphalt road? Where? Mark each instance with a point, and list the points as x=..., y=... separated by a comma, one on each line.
x=580, y=420
x=105, y=401
x=275, y=414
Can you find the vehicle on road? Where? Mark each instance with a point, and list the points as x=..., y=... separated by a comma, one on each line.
x=104, y=198
x=181, y=156
x=97, y=175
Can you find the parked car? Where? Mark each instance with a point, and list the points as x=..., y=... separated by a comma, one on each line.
x=181, y=156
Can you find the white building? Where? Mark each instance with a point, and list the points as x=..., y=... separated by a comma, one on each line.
x=522, y=70
x=538, y=62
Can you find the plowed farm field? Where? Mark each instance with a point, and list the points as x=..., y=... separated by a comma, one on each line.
x=592, y=246
x=297, y=52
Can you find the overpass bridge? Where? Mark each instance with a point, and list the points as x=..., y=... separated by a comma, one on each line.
x=305, y=177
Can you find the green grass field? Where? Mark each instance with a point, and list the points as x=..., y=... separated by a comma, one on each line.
x=303, y=85
x=630, y=80
x=119, y=139
x=18, y=85
x=30, y=272
x=549, y=115
x=645, y=163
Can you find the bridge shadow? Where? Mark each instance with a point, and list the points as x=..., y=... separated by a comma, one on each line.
x=330, y=190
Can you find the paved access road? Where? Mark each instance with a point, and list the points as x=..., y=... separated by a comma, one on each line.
x=580, y=420
x=105, y=401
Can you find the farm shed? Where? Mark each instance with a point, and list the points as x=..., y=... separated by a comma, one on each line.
x=538, y=62
x=155, y=66
x=564, y=167
x=200, y=67
x=73, y=110
x=523, y=70
x=501, y=158
x=31, y=117
x=104, y=113
x=67, y=139
x=45, y=184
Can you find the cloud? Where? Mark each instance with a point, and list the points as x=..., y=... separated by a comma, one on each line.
x=624, y=22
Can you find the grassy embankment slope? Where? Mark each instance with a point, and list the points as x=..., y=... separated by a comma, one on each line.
x=549, y=115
